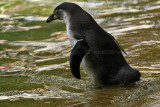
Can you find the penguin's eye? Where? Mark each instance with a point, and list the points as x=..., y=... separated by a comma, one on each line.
x=58, y=14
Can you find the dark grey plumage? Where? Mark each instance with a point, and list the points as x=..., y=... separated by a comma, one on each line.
x=100, y=52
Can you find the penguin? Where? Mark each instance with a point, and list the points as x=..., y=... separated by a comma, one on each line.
x=92, y=47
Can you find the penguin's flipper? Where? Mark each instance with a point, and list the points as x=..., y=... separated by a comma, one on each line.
x=77, y=54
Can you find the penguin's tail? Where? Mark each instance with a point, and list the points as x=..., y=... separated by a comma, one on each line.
x=128, y=75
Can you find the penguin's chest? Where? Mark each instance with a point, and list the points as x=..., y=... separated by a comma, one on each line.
x=70, y=34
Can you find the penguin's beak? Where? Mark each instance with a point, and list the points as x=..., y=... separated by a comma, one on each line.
x=50, y=18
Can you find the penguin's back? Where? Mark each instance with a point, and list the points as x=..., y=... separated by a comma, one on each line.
x=106, y=60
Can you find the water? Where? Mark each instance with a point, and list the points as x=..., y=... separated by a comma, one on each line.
x=34, y=65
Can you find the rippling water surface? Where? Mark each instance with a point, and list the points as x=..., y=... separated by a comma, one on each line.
x=34, y=55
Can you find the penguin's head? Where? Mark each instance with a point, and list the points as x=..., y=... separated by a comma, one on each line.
x=64, y=10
